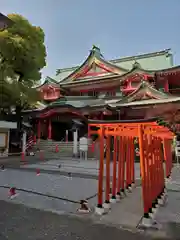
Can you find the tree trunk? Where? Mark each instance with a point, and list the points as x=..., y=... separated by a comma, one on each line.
x=19, y=121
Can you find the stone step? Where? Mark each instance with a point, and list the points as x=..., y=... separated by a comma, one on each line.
x=64, y=149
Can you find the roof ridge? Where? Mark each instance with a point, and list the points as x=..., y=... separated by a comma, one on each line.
x=143, y=55
x=122, y=59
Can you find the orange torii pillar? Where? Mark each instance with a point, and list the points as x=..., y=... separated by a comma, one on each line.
x=151, y=165
x=121, y=167
x=99, y=209
x=132, y=162
x=168, y=156
x=130, y=178
x=161, y=190
x=113, y=198
x=145, y=176
x=106, y=205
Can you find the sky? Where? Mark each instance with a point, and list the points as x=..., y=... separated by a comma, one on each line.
x=119, y=27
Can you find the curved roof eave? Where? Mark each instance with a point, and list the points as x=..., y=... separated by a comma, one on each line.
x=93, y=54
x=48, y=81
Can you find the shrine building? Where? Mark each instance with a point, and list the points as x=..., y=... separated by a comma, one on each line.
x=137, y=87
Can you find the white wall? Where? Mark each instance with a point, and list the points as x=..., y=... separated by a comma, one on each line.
x=5, y=128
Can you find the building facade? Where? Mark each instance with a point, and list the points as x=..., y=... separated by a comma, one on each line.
x=141, y=86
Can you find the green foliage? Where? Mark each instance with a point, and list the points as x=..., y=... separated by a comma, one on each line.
x=14, y=93
x=22, y=56
x=22, y=48
x=170, y=126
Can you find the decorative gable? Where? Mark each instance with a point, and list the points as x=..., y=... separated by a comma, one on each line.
x=145, y=91
x=94, y=71
x=49, y=90
x=95, y=65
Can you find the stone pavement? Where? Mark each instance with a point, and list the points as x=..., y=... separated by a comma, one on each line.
x=127, y=212
x=71, y=190
x=62, y=194
x=168, y=216
x=89, y=167
x=17, y=222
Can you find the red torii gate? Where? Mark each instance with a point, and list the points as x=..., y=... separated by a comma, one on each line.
x=150, y=136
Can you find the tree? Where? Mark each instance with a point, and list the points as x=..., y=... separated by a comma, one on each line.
x=22, y=54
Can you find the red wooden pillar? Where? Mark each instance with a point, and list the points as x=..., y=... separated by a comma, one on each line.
x=147, y=164
x=150, y=171
x=133, y=160
x=153, y=172
x=49, y=130
x=108, y=152
x=166, y=87
x=114, y=169
x=101, y=169
x=120, y=156
x=162, y=185
x=166, y=156
x=156, y=167
x=123, y=157
x=127, y=163
x=143, y=171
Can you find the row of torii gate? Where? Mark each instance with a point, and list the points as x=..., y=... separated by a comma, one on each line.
x=155, y=143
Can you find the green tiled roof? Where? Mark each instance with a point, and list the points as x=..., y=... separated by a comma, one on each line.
x=79, y=101
x=149, y=61
x=146, y=102
x=74, y=101
x=48, y=80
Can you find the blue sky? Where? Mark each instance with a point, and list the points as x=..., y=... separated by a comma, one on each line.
x=119, y=27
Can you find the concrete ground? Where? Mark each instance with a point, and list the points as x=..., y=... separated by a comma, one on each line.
x=168, y=216
x=81, y=167
x=55, y=192
x=62, y=194
x=20, y=222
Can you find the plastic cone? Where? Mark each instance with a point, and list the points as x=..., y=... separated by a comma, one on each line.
x=12, y=192
x=37, y=172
